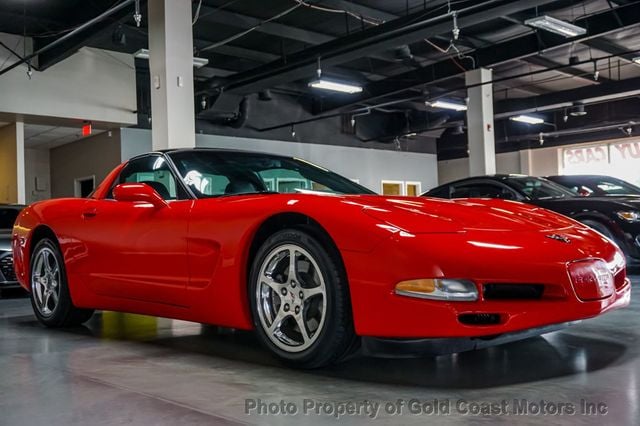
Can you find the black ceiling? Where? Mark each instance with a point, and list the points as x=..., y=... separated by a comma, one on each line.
x=395, y=49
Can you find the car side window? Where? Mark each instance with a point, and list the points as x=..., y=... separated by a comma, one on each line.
x=154, y=171
x=442, y=192
x=482, y=190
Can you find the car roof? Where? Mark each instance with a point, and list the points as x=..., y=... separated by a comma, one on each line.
x=581, y=176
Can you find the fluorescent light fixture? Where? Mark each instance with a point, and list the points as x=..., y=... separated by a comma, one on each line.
x=636, y=60
x=447, y=105
x=529, y=119
x=197, y=62
x=558, y=26
x=335, y=86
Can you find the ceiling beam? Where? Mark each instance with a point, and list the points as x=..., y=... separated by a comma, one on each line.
x=245, y=22
x=573, y=72
x=611, y=90
x=612, y=48
x=67, y=48
x=530, y=44
x=397, y=32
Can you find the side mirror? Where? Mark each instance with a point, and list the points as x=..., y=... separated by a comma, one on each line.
x=138, y=192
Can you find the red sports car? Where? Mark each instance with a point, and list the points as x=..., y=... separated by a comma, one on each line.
x=318, y=265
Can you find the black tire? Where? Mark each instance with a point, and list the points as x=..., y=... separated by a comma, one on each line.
x=63, y=313
x=336, y=337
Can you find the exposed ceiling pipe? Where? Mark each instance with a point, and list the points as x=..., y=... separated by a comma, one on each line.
x=104, y=15
x=444, y=94
x=569, y=132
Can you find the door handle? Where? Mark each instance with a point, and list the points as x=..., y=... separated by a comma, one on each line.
x=87, y=214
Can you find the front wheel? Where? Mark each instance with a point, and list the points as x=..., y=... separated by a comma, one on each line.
x=50, y=297
x=300, y=300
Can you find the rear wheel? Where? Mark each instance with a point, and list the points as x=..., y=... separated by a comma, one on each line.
x=300, y=301
x=50, y=297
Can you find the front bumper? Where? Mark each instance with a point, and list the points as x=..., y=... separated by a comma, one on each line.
x=414, y=348
x=486, y=258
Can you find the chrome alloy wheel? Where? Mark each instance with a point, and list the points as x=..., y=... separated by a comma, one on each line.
x=291, y=298
x=45, y=282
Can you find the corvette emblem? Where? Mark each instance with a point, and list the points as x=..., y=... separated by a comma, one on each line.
x=559, y=237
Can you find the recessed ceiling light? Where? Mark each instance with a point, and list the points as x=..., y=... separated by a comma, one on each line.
x=557, y=26
x=528, y=119
x=447, y=105
x=197, y=62
x=335, y=86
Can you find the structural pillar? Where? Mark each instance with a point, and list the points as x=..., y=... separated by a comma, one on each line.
x=12, y=167
x=480, y=129
x=526, y=165
x=171, y=71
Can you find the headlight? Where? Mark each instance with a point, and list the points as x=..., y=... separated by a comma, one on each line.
x=629, y=216
x=438, y=289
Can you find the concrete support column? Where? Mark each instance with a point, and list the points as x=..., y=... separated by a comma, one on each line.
x=21, y=183
x=171, y=70
x=482, y=151
x=526, y=164
x=12, y=167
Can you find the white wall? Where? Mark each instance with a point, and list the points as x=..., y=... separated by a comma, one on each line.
x=369, y=166
x=535, y=162
x=37, y=166
x=92, y=84
x=450, y=170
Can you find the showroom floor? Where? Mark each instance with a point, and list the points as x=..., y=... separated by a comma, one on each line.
x=127, y=369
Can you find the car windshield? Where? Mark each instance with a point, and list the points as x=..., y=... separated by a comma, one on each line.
x=538, y=188
x=8, y=217
x=598, y=185
x=217, y=173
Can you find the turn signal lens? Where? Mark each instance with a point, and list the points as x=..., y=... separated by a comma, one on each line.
x=438, y=289
x=629, y=216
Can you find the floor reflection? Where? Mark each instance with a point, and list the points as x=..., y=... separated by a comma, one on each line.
x=554, y=355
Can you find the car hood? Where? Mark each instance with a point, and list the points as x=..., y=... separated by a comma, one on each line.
x=5, y=239
x=432, y=215
x=629, y=201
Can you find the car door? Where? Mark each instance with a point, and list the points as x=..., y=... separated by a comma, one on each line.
x=136, y=250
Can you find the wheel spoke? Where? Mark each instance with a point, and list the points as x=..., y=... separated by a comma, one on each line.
x=54, y=296
x=303, y=328
x=47, y=263
x=45, y=302
x=270, y=282
x=277, y=321
x=311, y=292
x=293, y=267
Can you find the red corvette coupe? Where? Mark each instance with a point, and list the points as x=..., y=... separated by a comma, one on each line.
x=318, y=265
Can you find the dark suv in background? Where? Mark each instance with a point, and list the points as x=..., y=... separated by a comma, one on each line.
x=617, y=218
x=8, y=214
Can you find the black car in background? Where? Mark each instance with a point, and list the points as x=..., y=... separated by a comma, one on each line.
x=596, y=185
x=617, y=218
x=8, y=214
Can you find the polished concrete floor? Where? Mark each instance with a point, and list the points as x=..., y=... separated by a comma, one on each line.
x=128, y=369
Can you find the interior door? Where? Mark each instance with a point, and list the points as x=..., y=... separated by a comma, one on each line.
x=136, y=250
